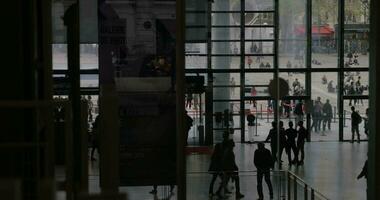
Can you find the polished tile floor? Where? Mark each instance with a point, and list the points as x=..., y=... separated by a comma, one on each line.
x=330, y=168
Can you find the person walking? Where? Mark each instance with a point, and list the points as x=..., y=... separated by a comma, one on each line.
x=356, y=119
x=327, y=115
x=301, y=138
x=215, y=167
x=283, y=141
x=263, y=162
x=95, y=137
x=230, y=170
x=317, y=114
x=272, y=137
x=291, y=135
x=298, y=111
x=249, y=62
x=366, y=122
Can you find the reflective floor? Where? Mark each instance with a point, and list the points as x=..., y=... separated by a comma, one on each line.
x=330, y=167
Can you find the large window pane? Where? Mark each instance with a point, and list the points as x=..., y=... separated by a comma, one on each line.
x=259, y=47
x=325, y=124
x=232, y=48
x=355, y=83
x=292, y=36
x=225, y=62
x=195, y=62
x=225, y=19
x=296, y=83
x=261, y=62
x=356, y=32
x=256, y=84
x=324, y=33
x=59, y=56
x=259, y=5
x=361, y=109
x=226, y=5
x=259, y=33
x=225, y=33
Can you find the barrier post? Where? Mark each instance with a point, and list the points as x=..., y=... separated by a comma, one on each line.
x=344, y=118
x=334, y=114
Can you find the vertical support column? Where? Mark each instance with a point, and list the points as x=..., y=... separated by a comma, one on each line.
x=288, y=185
x=305, y=192
x=276, y=77
x=308, y=59
x=341, y=4
x=242, y=70
x=71, y=19
x=373, y=181
x=295, y=188
x=209, y=108
x=180, y=100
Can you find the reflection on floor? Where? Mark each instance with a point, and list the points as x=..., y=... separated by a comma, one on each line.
x=330, y=167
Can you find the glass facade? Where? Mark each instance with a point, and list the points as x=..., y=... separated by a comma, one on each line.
x=244, y=57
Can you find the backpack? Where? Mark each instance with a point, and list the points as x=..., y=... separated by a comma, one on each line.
x=359, y=118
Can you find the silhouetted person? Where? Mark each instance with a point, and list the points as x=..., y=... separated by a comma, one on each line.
x=263, y=162
x=215, y=167
x=230, y=169
x=291, y=135
x=366, y=122
x=356, y=119
x=272, y=137
x=188, y=125
x=251, y=122
x=298, y=111
x=283, y=142
x=327, y=115
x=364, y=172
x=95, y=137
x=301, y=138
x=351, y=91
x=317, y=111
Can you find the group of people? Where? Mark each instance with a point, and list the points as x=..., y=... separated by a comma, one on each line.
x=322, y=114
x=353, y=87
x=352, y=59
x=291, y=139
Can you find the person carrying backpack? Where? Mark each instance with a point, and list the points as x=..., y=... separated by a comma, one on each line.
x=356, y=119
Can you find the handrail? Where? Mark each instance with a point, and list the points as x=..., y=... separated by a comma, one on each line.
x=305, y=186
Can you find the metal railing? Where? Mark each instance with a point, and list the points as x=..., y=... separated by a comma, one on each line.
x=298, y=189
x=286, y=186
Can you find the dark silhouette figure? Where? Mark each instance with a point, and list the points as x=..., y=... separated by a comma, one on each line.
x=301, y=138
x=230, y=169
x=364, y=171
x=263, y=162
x=251, y=122
x=272, y=137
x=356, y=119
x=188, y=125
x=298, y=111
x=283, y=142
x=366, y=122
x=95, y=137
x=327, y=115
x=291, y=135
x=215, y=167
